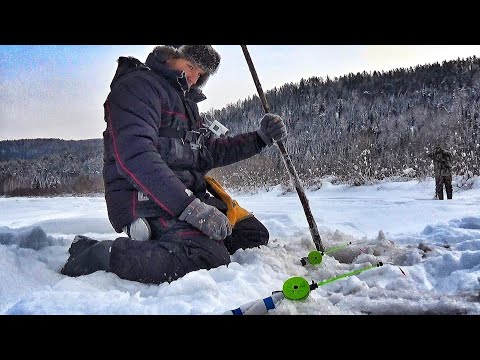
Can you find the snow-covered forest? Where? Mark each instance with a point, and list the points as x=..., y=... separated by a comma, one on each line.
x=357, y=128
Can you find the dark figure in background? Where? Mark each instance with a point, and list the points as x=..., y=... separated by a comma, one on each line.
x=157, y=152
x=442, y=162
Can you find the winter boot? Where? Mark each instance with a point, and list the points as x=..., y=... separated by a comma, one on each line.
x=87, y=256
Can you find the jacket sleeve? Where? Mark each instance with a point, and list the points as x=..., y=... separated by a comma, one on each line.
x=229, y=150
x=133, y=110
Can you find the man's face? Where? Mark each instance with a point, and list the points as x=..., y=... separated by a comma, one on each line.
x=192, y=71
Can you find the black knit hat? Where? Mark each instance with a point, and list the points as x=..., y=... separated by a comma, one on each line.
x=204, y=56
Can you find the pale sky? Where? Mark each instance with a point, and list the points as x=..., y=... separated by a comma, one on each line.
x=430, y=250
x=57, y=91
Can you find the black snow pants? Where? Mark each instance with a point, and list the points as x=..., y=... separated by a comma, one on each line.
x=439, y=182
x=176, y=249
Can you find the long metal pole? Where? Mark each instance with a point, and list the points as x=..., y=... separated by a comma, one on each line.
x=286, y=160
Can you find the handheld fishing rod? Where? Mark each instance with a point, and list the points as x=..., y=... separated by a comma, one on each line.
x=316, y=258
x=295, y=288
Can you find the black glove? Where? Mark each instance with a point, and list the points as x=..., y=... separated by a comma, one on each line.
x=272, y=129
x=207, y=219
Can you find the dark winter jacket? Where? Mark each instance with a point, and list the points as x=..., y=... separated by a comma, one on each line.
x=442, y=161
x=148, y=162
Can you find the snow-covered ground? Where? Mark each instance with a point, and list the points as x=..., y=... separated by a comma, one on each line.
x=430, y=250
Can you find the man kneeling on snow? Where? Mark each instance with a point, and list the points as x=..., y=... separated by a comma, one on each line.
x=157, y=154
